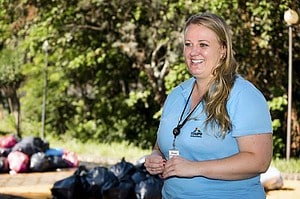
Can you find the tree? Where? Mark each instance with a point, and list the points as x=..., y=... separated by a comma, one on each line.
x=10, y=81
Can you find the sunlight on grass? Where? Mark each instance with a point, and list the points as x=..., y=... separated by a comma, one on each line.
x=115, y=151
x=287, y=166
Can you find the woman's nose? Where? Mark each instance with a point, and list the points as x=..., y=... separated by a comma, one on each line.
x=195, y=51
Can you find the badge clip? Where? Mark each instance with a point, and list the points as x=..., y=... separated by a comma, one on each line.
x=173, y=152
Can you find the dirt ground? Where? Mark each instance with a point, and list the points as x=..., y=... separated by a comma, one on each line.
x=30, y=185
x=38, y=186
x=290, y=190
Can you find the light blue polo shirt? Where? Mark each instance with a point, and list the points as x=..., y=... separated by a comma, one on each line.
x=249, y=114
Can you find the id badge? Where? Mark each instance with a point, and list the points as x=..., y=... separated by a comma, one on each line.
x=173, y=152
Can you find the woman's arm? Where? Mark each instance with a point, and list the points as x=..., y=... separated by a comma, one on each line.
x=253, y=158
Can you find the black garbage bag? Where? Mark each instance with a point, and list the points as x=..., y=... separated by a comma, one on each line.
x=149, y=188
x=4, y=168
x=57, y=162
x=5, y=151
x=67, y=188
x=99, y=180
x=125, y=190
x=123, y=169
x=139, y=175
x=30, y=145
x=39, y=162
x=72, y=187
x=140, y=163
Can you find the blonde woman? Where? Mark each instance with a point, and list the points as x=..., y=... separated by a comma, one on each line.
x=215, y=134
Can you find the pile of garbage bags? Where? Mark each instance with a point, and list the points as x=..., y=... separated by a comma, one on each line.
x=127, y=181
x=120, y=181
x=32, y=154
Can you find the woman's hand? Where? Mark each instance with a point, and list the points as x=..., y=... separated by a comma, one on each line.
x=155, y=164
x=180, y=167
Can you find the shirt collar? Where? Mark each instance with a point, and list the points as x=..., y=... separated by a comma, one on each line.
x=187, y=86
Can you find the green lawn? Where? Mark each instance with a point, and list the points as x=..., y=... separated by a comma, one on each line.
x=287, y=166
x=101, y=151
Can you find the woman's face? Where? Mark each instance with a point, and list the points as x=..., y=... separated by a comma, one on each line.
x=202, y=51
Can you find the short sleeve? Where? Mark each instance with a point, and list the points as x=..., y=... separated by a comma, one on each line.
x=248, y=110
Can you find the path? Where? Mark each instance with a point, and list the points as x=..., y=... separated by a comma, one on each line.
x=30, y=185
x=38, y=186
x=290, y=190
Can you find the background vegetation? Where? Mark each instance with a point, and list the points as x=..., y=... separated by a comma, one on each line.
x=110, y=64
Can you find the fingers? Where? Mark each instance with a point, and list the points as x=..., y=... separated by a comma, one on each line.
x=172, y=167
x=155, y=171
x=180, y=167
x=169, y=169
x=154, y=164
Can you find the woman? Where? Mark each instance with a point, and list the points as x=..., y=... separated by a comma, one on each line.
x=215, y=134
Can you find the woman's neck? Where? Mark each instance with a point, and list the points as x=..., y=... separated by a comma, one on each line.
x=200, y=88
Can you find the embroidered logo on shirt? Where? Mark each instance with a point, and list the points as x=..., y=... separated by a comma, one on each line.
x=196, y=133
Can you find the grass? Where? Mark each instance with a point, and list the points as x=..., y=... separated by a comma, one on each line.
x=102, y=151
x=287, y=166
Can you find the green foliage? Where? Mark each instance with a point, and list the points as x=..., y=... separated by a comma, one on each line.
x=277, y=105
x=7, y=124
x=177, y=74
x=278, y=146
x=10, y=66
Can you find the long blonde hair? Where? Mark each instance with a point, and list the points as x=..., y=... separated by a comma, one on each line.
x=223, y=75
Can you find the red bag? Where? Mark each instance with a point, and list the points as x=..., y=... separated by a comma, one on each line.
x=18, y=162
x=8, y=141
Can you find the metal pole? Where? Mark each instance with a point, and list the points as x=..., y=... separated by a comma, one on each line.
x=45, y=48
x=288, y=138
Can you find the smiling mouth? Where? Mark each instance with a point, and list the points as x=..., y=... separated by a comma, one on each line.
x=197, y=61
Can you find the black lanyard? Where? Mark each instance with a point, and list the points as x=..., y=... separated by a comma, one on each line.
x=176, y=130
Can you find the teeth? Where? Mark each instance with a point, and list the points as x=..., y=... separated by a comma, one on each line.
x=197, y=61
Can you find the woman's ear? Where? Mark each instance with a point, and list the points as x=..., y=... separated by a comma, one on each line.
x=223, y=52
x=222, y=56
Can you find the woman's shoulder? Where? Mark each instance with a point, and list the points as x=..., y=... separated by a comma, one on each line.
x=245, y=88
x=242, y=84
x=187, y=83
x=183, y=86
x=179, y=92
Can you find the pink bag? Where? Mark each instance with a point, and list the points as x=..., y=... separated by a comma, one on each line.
x=18, y=162
x=71, y=158
x=8, y=141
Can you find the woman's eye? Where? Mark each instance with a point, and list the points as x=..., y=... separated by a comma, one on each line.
x=203, y=45
x=188, y=44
